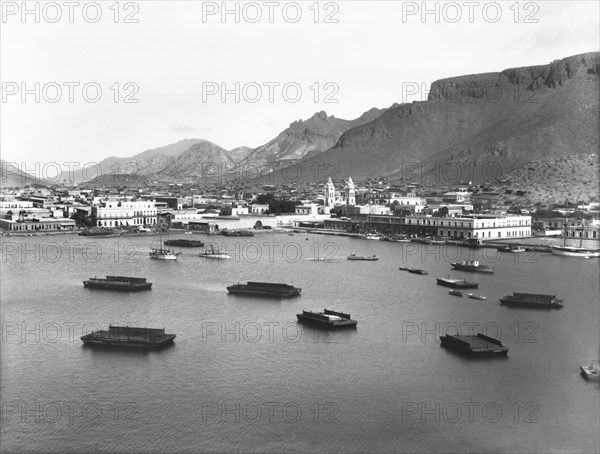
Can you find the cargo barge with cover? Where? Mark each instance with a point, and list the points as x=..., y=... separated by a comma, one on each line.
x=129, y=337
x=121, y=283
x=327, y=318
x=478, y=345
x=534, y=300
x=265, y=289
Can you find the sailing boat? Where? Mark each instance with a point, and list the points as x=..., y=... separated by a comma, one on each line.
x=214, y=254
x=160, y=253
x=571, y=251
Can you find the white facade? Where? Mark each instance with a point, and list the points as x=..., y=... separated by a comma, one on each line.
x=258, y=209
x=117, y=213
x=475, y=226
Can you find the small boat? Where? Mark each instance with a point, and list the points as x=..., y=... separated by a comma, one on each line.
x=327, y=318
x=475, y=296
x=417, y=271
x=214, y=254
x=513, y=249
x=265, y=289
x=568, y=251
x=372, y=236
x=455, y=293
x=571, y=251
x=164, y=254
x=404, y=268
x=353, y=256
x=456, y=283
x=591, y=372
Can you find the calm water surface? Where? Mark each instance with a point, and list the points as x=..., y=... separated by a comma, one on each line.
x=244, y=377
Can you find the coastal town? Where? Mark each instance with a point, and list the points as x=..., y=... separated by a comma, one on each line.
x=373, y=209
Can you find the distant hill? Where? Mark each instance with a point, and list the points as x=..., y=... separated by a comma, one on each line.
x=486, y=124
x=195, y=160
x=11, y=177
x=305, y=138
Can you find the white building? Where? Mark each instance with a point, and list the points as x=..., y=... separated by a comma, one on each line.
x=486, y=227
x=117, y=213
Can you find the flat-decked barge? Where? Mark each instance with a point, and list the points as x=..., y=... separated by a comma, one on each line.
x=265, y=289
x=327, y=318
x=456, y=283
x=121, y=283
x=535, y=300
x=127, y=336
x=478, y=345
x=184, y=243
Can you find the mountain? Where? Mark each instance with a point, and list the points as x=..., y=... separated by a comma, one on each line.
x=195, y=160
x=144, y=163
x=482, y=125
x=306, y=138
x=13, y=177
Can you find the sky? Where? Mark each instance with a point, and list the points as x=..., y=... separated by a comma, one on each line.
x=82, y=81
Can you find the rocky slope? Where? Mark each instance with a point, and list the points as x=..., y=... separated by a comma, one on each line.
x=484, y=125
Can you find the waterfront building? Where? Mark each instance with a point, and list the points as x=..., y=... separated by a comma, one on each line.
x=118, y=213
x=37, y=225
x=482, y=226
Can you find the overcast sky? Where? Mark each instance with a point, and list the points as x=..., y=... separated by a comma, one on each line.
x=174, y=58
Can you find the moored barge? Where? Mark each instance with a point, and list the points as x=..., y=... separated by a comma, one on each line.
x=264, y=289
x=532, y=300
x=456, y=283
x=478, y=345
x=122, y=283
x=327, y=318
x=128, y=336
x=184, y=243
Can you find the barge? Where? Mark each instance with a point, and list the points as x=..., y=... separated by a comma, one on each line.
x=473, y=266
x=184, y=243
x=532, y=300
x=129, y=337
x=478, y=345
x=327, y=318
x=353, y=256
x=456, y=283
x=264, y=289
x=121, y=283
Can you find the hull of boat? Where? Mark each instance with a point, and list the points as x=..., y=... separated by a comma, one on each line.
x=457, y=284
x=163, y=257
x=249, y=292
x=120, y=288
x=327, y=324
x=575, y=253
x=115, y=343
x=589, y=373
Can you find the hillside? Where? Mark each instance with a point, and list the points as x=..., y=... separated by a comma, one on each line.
x=11, y=177
x=305, y=138
x=484, y=124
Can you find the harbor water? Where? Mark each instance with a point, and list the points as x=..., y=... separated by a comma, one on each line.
x=244, y=376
